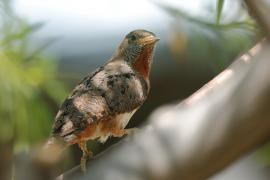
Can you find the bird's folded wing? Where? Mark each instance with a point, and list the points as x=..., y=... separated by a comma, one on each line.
x=84, y=105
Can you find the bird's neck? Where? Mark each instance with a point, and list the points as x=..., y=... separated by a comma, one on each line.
x=143, y=62
x=140, y=60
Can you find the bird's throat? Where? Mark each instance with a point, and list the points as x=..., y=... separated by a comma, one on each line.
x=143, y=62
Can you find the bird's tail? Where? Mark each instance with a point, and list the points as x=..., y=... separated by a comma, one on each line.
x=51, y=152
x=55, y=142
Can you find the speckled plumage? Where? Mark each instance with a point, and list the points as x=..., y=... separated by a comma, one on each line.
x=103, y=102
x=114, y=89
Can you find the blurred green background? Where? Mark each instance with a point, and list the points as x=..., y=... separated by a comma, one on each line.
x=30, y=90
x=48, y=46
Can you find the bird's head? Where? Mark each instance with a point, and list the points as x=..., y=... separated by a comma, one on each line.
x=137, y=50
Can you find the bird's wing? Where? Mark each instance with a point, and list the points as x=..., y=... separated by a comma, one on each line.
x=83, y=105
x=109, y=91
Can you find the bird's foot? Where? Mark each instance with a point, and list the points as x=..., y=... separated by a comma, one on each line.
x=86, y=156
x=83, y=164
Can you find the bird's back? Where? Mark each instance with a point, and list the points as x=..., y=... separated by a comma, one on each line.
x=99, y=102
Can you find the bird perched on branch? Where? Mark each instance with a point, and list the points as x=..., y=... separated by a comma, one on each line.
x=102, y=104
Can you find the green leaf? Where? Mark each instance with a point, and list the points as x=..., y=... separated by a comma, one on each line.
x=219, y=10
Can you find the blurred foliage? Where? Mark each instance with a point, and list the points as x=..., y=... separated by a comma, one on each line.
x=29, y=87
x=211, y=39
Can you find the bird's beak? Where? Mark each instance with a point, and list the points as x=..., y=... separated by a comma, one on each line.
x=149, y=40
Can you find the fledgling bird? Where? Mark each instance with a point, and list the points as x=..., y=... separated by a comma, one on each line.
x=102, y=104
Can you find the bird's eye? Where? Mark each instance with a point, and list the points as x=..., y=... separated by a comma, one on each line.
x=133, y=37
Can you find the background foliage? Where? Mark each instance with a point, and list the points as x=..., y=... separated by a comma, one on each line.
x=214, y=39
x=29, y=88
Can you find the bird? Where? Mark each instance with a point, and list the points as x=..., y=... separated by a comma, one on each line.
x=102, y=104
